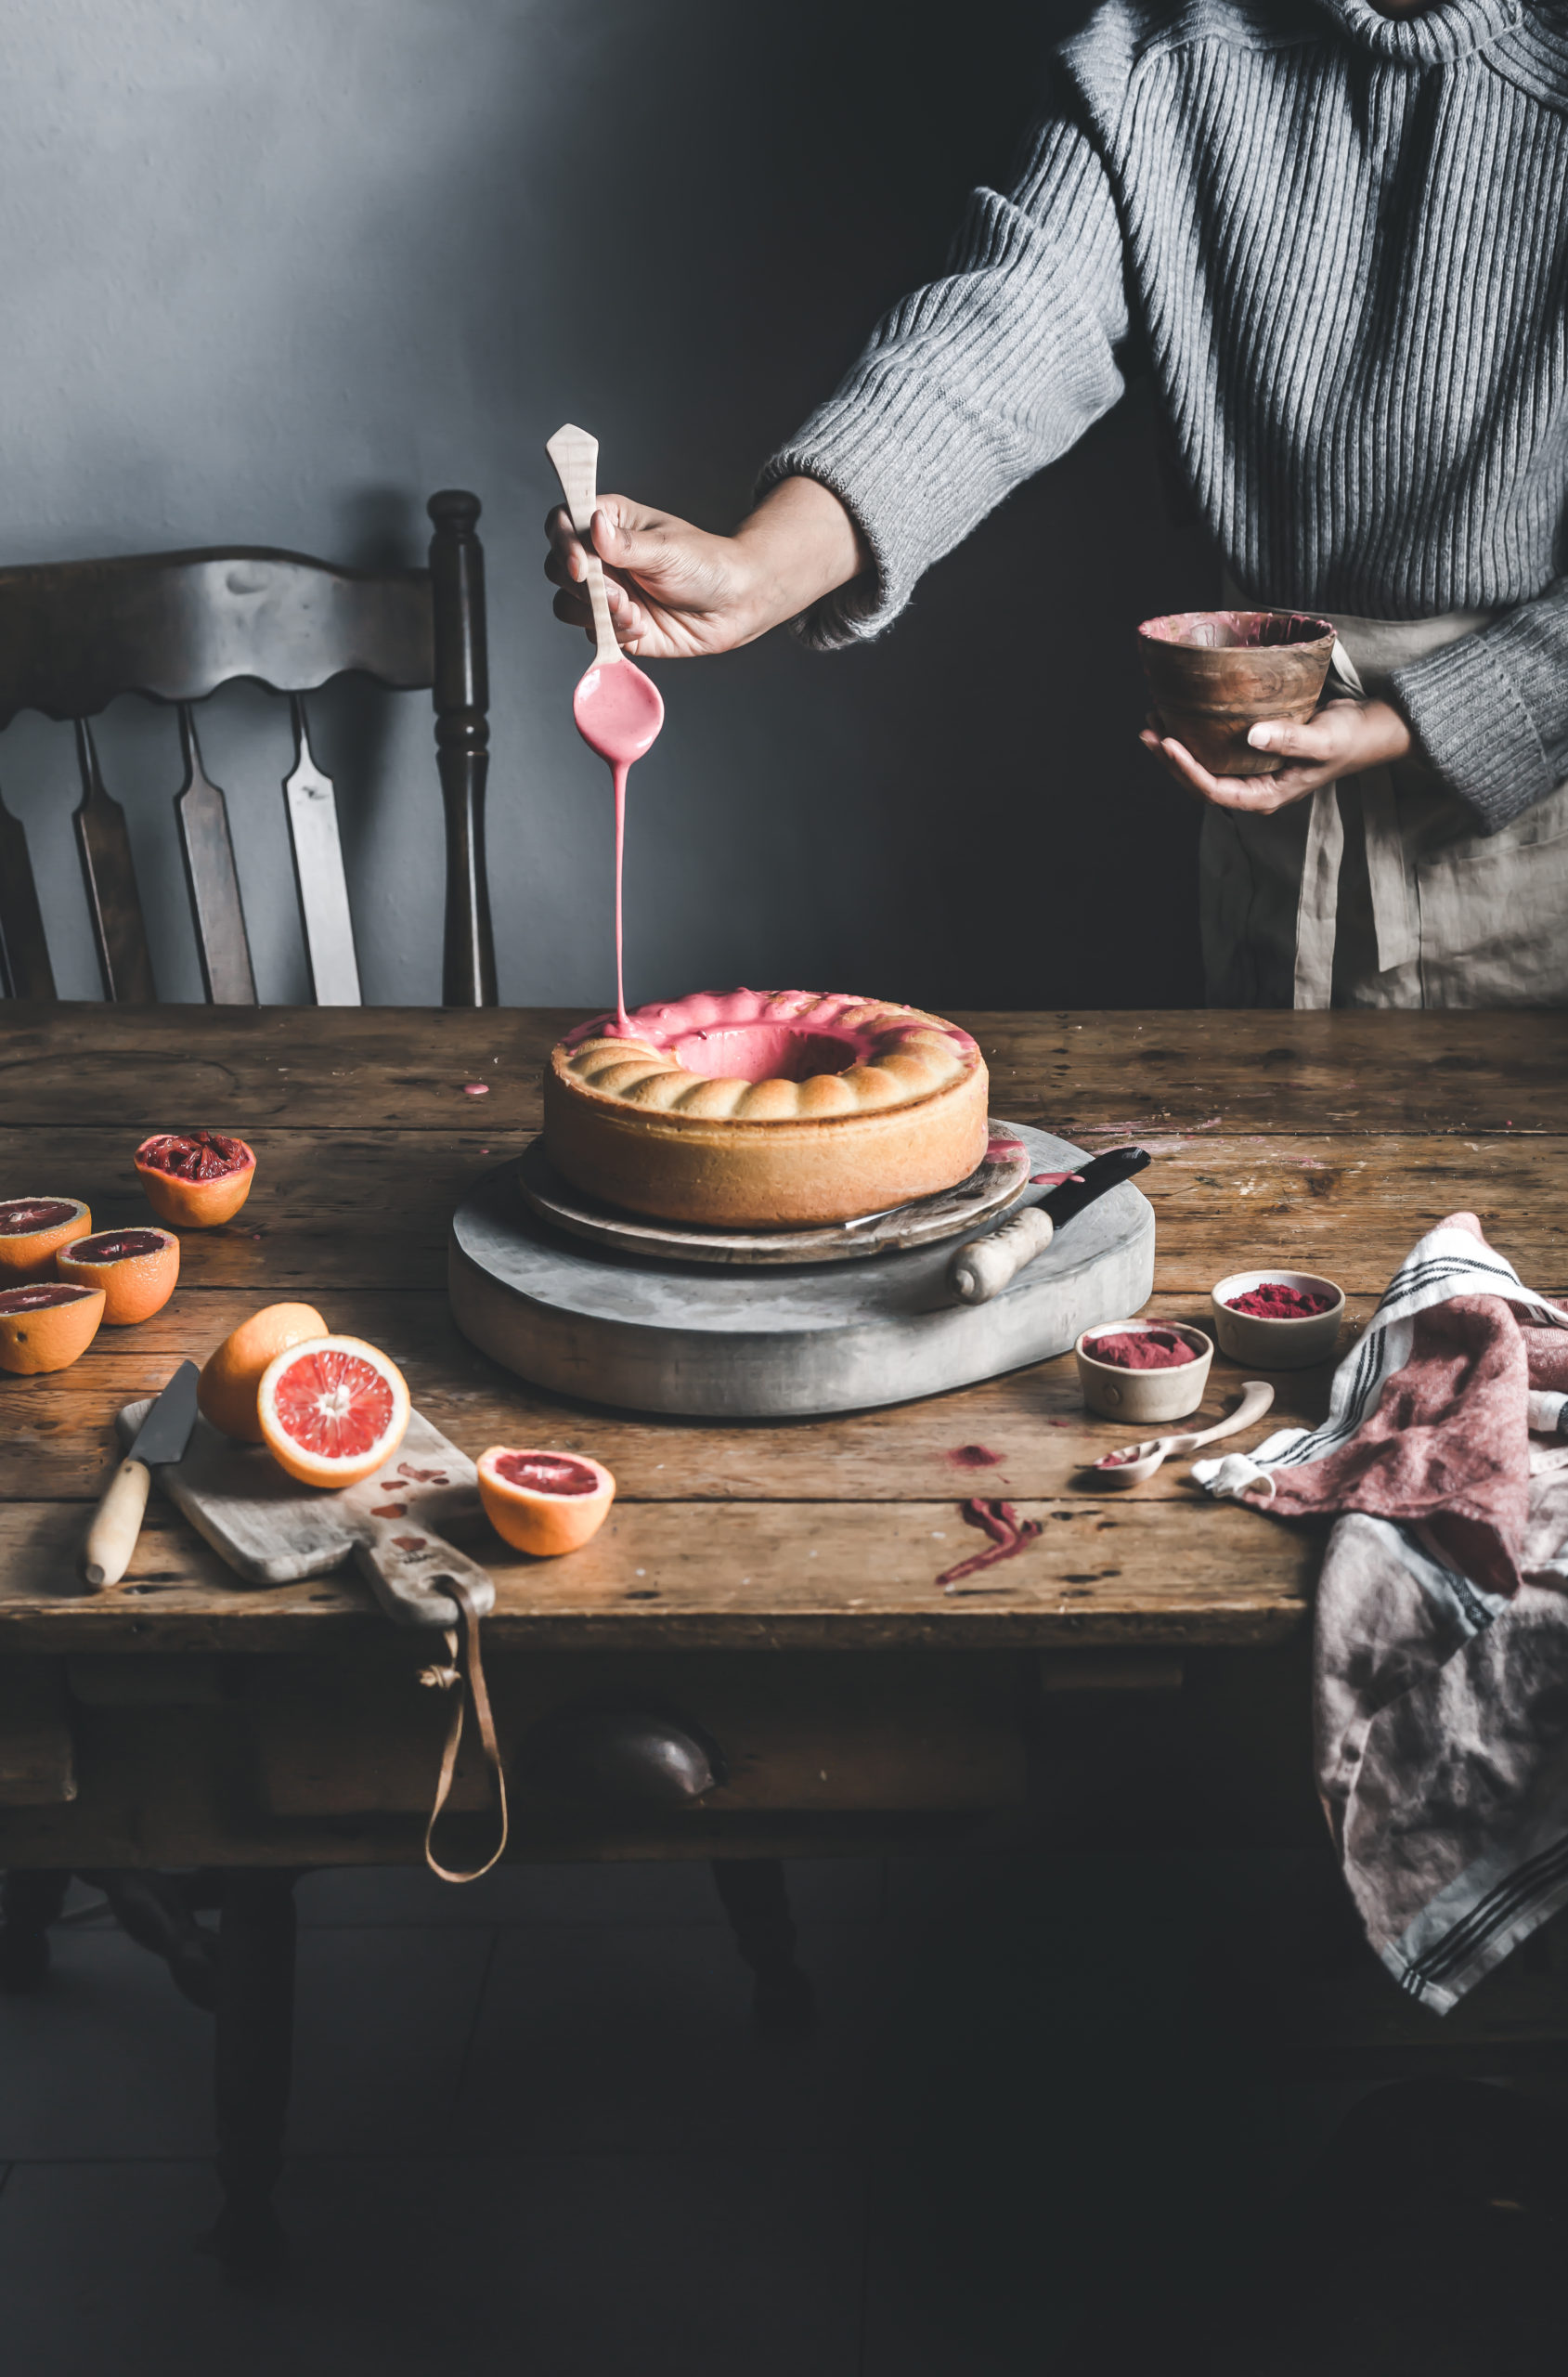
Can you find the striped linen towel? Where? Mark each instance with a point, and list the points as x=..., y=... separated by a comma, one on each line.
x=1441, y=1645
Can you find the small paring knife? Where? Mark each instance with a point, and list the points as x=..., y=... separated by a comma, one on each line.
x=162, y=1438
x=982, y=1269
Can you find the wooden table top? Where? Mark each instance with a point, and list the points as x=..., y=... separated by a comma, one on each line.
x=1327, y=1142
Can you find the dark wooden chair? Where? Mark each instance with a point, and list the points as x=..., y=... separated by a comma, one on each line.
x=74, y=635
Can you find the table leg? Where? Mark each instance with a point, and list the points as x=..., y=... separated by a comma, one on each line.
x=253, y=2046
x=29, y=1904
x=757, y=1901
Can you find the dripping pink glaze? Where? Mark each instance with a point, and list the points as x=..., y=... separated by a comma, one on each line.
x=762, y=1035
x=619, y=713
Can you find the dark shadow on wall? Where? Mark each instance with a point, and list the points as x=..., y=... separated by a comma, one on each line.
x=983, y=827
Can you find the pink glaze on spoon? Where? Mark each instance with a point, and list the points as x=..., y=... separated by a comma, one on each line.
x=618, y=712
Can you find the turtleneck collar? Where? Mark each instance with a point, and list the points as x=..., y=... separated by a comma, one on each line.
x=1451, y=29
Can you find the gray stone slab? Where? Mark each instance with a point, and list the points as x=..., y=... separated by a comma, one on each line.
x=716, y=1343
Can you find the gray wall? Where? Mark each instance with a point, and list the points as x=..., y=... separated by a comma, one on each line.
x=273, y=272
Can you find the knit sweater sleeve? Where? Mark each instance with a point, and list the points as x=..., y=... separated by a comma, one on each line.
x=973, y=384
x=1492, y=710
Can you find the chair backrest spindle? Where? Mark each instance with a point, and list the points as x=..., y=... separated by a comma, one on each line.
x=113, y=902
x=221, y=943
x=319, y=873
x=25, y=970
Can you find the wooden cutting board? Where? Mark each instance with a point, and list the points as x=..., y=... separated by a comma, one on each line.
x=394, y=1527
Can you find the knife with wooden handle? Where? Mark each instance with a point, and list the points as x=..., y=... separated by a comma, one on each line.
x=982, y=1269
x=162, y=1438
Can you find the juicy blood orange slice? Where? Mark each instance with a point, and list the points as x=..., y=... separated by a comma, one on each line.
x=544, y=1502
x=195, y=1179
x=226, y=1393
x=333, y=1409
x=136, y=1269
x=33, y=1230
x=46, y=1324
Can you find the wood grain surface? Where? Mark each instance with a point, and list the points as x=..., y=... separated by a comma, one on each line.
x=1121, y=1071
x=350, y=1209
x=855, y=1576
x=1317, y=1141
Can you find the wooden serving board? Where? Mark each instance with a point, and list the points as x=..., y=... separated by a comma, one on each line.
x=394, y=1527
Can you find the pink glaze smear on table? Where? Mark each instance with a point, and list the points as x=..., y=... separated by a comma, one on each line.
x=1009, y=1535
x=619, y=713
x=1275, y=1301
x=765, y=1036
x=1141, y=1349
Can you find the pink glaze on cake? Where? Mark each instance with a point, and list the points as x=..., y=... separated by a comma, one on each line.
x=764, y=1035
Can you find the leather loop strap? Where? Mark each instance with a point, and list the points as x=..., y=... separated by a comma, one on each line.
x=467, y=1678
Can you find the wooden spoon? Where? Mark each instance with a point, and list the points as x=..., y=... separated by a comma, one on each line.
x=1135, y=1462
x=619, y=710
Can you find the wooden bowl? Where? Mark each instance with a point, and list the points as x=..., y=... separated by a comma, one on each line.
x=1213, y=674
x=1143, y=1396
x=1260, y=1344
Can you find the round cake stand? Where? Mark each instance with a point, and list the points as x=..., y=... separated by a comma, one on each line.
x=720, y=1342
x=989, y=1190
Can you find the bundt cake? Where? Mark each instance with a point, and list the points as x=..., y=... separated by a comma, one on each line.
x=766, y=1110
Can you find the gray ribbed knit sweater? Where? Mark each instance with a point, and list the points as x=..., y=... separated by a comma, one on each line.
x=1339, y=243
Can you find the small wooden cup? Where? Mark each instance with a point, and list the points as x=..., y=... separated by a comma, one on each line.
x=1143, y=1396
x=1213, y=674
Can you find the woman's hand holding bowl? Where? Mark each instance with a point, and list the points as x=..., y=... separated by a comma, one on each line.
x=1342, y=738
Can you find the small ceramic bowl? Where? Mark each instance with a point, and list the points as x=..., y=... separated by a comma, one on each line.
x=1262, y=1345
x=1144, y=1395
x=1213, y=674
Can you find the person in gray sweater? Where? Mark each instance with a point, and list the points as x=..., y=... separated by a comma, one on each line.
x=1335, y=234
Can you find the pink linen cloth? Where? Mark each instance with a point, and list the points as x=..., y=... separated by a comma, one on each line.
x=1441, y=1620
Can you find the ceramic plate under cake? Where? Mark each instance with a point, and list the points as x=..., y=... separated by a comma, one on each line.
x=990, y=1190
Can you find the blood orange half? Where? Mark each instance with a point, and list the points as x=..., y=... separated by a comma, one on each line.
x=333, y=1409
x=544, y=1502
x=195, y=1179
x=33, y=1230
x=46, y=1324
x=136, y=1269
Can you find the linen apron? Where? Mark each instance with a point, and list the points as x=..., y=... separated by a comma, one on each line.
x=1377, y=891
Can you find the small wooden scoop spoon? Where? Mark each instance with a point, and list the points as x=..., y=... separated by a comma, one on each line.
x=1135, y=1462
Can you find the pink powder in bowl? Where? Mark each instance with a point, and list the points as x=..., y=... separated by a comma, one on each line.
x=1141, y=1349
x=1275, y=1301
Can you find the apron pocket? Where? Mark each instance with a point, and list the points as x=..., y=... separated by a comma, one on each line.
x=1495, y=915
